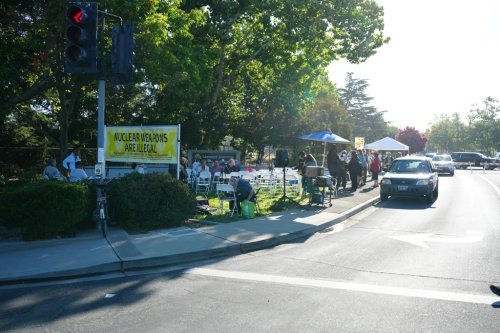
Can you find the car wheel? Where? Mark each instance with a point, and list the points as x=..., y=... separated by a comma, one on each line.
x=435, y=193
x=452, y=173
x=383, y=197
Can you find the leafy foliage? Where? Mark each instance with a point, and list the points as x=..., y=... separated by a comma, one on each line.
x=215, y=67
x=43, y=209
x=411, y=137
x=365, y=119
x=150, y=201
x=481, y=133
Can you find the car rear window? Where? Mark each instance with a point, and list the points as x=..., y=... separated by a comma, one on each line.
x=409, y=166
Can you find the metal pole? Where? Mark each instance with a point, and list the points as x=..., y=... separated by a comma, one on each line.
x=178, y=150
x=101, y=104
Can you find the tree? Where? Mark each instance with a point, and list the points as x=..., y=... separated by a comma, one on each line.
x=412, y=138
x=208, y=65
x=484, y=126
x=365, y=119
x=448, y=134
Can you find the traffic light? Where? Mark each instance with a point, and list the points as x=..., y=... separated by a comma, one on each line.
x=122, y=57
x=81, y=37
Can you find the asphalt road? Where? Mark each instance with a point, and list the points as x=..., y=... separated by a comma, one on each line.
x=401, y=266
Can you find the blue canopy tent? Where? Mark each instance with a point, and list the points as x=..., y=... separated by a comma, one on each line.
x=325, y=137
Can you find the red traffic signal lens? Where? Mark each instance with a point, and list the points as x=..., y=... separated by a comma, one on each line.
x=76, y=14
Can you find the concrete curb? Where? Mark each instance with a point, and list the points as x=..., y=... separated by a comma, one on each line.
x=182, y=258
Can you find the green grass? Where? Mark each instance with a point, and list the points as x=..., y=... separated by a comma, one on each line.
x=267, y=207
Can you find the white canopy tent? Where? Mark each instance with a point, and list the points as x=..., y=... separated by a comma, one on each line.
x=387, y=143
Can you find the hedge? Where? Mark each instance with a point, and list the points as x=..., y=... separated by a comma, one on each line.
x=150, y=201
x=44, y=209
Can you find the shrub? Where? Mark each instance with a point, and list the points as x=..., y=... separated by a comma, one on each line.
x=43, y=209
x=150, y=201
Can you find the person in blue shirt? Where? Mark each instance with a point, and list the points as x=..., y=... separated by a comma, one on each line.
x=244, y=191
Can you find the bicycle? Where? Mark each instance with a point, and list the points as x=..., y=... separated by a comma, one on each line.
x=102, y=208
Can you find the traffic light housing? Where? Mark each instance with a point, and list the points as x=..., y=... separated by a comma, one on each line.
x=81, y=37
x=122, y=57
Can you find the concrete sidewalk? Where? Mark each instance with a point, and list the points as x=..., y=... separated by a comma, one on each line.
x=90, y=254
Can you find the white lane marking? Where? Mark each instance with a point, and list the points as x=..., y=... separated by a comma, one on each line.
x=423, y=239
x=491, y=183
x=385, y=290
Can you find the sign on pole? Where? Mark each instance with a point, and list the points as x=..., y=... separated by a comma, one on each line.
x=359, y=142
x=143, y=144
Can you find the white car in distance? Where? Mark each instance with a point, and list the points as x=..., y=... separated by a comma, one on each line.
x=444, y=163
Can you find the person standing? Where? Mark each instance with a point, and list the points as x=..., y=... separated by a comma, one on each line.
x=69, y=163
x=333, y=161
x=344, y=160
x=362, y=164
x=354, y=170
x=196, y=164
x=334, y=164
x=366, y=165
x=307, y=181
x=301, y=163
x=375, y=168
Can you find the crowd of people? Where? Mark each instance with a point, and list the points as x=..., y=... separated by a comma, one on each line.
x=354, y=166
x=72, y=167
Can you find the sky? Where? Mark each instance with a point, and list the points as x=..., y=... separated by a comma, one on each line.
x=443, y=57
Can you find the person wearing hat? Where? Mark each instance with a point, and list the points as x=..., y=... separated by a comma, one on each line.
x=244, y=191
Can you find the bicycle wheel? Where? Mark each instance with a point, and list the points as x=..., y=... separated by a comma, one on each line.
x=103, y=219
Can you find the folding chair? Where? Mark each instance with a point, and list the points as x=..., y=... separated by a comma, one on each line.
x=190, y=177
x=225, y=193
x=203, y=183
x=216, y=179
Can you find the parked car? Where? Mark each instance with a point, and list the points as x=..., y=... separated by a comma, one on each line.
x=410, y=177
x=466, y=159
x=444, y=163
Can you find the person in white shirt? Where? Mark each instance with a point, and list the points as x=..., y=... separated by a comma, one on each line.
x=78, y=174
x=50, y=172
x=196, y=164
x=69, y=163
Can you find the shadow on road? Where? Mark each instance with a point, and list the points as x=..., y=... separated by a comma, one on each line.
x=405, y=203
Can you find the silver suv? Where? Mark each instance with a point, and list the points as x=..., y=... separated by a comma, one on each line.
x=444, y=164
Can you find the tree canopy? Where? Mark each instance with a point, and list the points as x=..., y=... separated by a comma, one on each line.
x=251, y=69
x=481, y=132
x=411, y=137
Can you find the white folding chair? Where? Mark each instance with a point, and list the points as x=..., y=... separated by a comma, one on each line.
x=190, y=176
x=292, y=184
x=216, y=179
x=267, y=183
x=250, y=178
x=203, y=183
x=225, y=193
